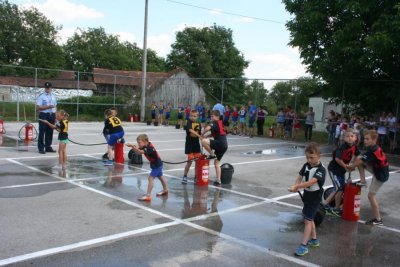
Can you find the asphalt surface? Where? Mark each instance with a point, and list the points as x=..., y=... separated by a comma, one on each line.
x=89, y=214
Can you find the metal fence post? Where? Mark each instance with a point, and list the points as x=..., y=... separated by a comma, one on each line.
x=35, y=93
x=115, y=81
x=18, y=104
x=77, y=99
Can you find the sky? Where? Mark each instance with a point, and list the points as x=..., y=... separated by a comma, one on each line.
x=258, y=26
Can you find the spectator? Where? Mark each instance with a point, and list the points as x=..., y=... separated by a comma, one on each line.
x=309, y=124
x=46, y=104
x=260, y=116
x=221, y=110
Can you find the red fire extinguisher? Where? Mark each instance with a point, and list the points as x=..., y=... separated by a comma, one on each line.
x=130, y=117
x=2, y=129
x=28, y=132
x=351, y=202
x=136, y=118
x=119, y=153
x=271, y=132
x=202, y=171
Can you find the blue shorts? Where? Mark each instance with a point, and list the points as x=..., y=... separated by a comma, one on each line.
x=309, y=211
x=161, y=112
x=340, y=181
x=167, y=115
x=242, y=120
x=157, y=172
x=114, y=137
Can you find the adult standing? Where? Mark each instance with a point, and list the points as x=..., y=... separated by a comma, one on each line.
x=309, y=124
x=221, y=110
x=392, y=124
x=252, y=117
x=261, y=114
x=46, y=104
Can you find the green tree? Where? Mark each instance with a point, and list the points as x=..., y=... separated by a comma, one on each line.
x=352, y=45
x=95, y=48
x=209, y=53
x=295, y=93
x=28, y=38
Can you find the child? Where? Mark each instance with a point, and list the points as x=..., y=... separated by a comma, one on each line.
x=296, y=127
x=219, y=144
x=280, y=121
x=235, y=117
x=113, y=128
x=242, y=116
x=339, y=165
x=227, y=116
x=343, y=127
x=62, y=128
x=314, y=173
x=161, y=108
x=374, y=160
x=289, y=118
x=181, y=110
x=167, y=114
x=192, y=144
x=149, y=151
x=187, y=113
x=153, y=112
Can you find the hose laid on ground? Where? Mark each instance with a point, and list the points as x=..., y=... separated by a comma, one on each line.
x=76, y=143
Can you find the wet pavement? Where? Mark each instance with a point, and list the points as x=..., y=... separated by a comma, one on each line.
x=89, y=215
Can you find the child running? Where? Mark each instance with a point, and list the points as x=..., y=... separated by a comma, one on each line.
x=147, y=149
x=375, y=161
x=219, y=144
x=62, y=128
x=314, y=173
x=338, y=166
x=192, y=144
x=113, y=128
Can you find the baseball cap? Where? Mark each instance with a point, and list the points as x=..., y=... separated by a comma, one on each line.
x=47, y=84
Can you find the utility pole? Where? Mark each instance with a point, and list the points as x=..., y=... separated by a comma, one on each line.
x=144, y=67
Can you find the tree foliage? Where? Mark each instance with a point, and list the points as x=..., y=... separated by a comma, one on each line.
x=94, y=48
x=209, y=53
x=28, y=38
x=294, y=93
x=352, y=45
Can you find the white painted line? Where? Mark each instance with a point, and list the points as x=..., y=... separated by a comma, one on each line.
x=250, y=245
x=35, y=169
x=81, y=244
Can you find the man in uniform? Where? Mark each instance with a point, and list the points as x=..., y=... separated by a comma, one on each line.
x=46, y=104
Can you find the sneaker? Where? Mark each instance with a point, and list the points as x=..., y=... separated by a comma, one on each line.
x=109, y=163
x=184, y=180
x=301, y=250
x=216, y=183
x=313, y=243
x=361, y=183
x=374, y=222
x=162, y=193
x=145, y=198
x=337, y=212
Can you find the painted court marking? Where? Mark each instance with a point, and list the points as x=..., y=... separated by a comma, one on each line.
x=115, y=237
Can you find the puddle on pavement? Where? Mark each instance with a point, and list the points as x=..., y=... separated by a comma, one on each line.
x=279, y=151
x=18, y=144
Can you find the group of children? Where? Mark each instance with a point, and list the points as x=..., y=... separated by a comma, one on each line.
x=346, y=158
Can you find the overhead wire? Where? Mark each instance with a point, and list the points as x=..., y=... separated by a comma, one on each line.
x=227, y=13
